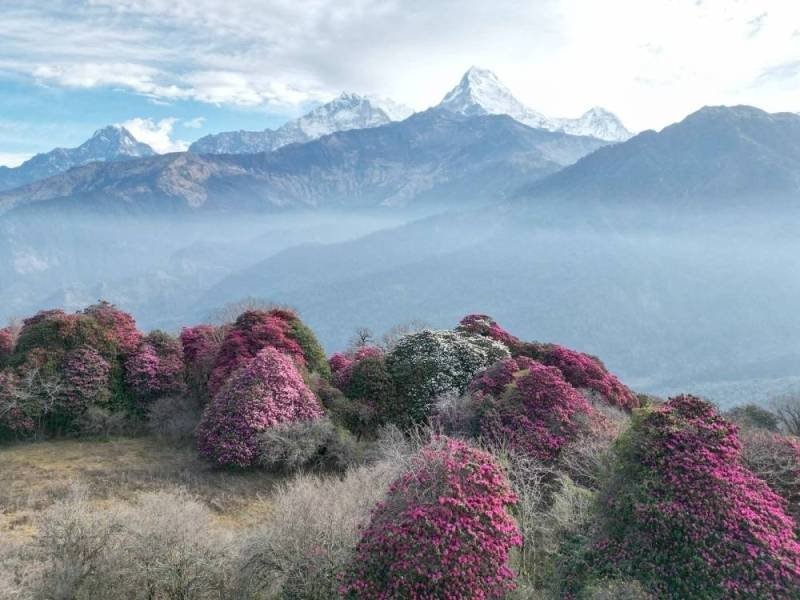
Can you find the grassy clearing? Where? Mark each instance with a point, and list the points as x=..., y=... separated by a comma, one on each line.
x=37, y=474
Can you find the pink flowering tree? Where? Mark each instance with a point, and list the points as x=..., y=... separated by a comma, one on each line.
x=255, y=330
x=155, y=368
x=536, y=414
x=341, y=364
x=683, y=515
x=443, y=531
x=587, y=372
x=265, y=391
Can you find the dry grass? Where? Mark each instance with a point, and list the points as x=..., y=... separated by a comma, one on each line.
x=36, y=475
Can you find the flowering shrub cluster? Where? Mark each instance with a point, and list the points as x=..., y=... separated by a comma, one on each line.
x=264, y=391
x=427, y=364
x=684, y=516
x=258, y=329
x=201, y=345
x=86, y=381
x=536, y=414
x=118, y=326
x=493, y=381
x=155, y=368
x=442, y=532
x=486, y=326
x=775, y=458
x=341, y=364
x=584, y=371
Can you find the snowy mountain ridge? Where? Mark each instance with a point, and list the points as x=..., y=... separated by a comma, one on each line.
x=480, y=92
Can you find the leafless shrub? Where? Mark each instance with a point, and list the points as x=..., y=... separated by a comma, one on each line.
x=587, y=459
x=550, y=507
x=363, y=336
x=456, y=415
x=101, y=422
x=315, y=444
x=165, y=545
x=312, y=533
x=775, y=459
x=788, y=411
x=18, y=569
x=174, y=420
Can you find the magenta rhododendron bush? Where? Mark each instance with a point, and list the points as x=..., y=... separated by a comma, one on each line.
x=264, y=391
x=584, y=371
x=155, y=368
x=442, y=532
x=118, y=325
x=342, y=363
x=533, y=411
x=201, y=345
x=86, y=380
x=254, y=330
x=683, y=515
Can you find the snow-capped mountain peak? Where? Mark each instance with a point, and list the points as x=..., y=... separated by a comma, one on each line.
x=480, y=92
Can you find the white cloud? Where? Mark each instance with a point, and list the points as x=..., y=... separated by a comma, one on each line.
x=195, y=123
x=652, y=61
x=13, y=159
x=157, y=135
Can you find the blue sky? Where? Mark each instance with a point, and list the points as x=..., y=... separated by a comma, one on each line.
x=175, y=70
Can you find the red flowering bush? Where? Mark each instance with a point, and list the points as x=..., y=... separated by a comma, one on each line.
x=428, y=364
x=6, y=345
x=255, y=330
x=537, y=413
x=201, y=345
x=775, y=458
x=486, y=326
x=442, y=532
x=265, y=391
x=85, y=377
x=685, y=517
x=584, y=371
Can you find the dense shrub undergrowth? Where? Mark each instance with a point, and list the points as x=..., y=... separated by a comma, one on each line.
x=463, y=463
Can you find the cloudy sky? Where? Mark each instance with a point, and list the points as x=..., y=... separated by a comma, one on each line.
x=174, y=70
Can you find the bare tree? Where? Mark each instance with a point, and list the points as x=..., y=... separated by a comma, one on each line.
x=363, y=336
x=788, y=410
x=398, y=331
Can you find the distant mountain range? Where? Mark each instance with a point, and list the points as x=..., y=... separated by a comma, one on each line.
x=348, y=111
x=111, y=143
x=436, y=158
x=478, y=93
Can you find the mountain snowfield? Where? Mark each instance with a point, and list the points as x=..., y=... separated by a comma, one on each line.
x=480, y=92
x=110, y=143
